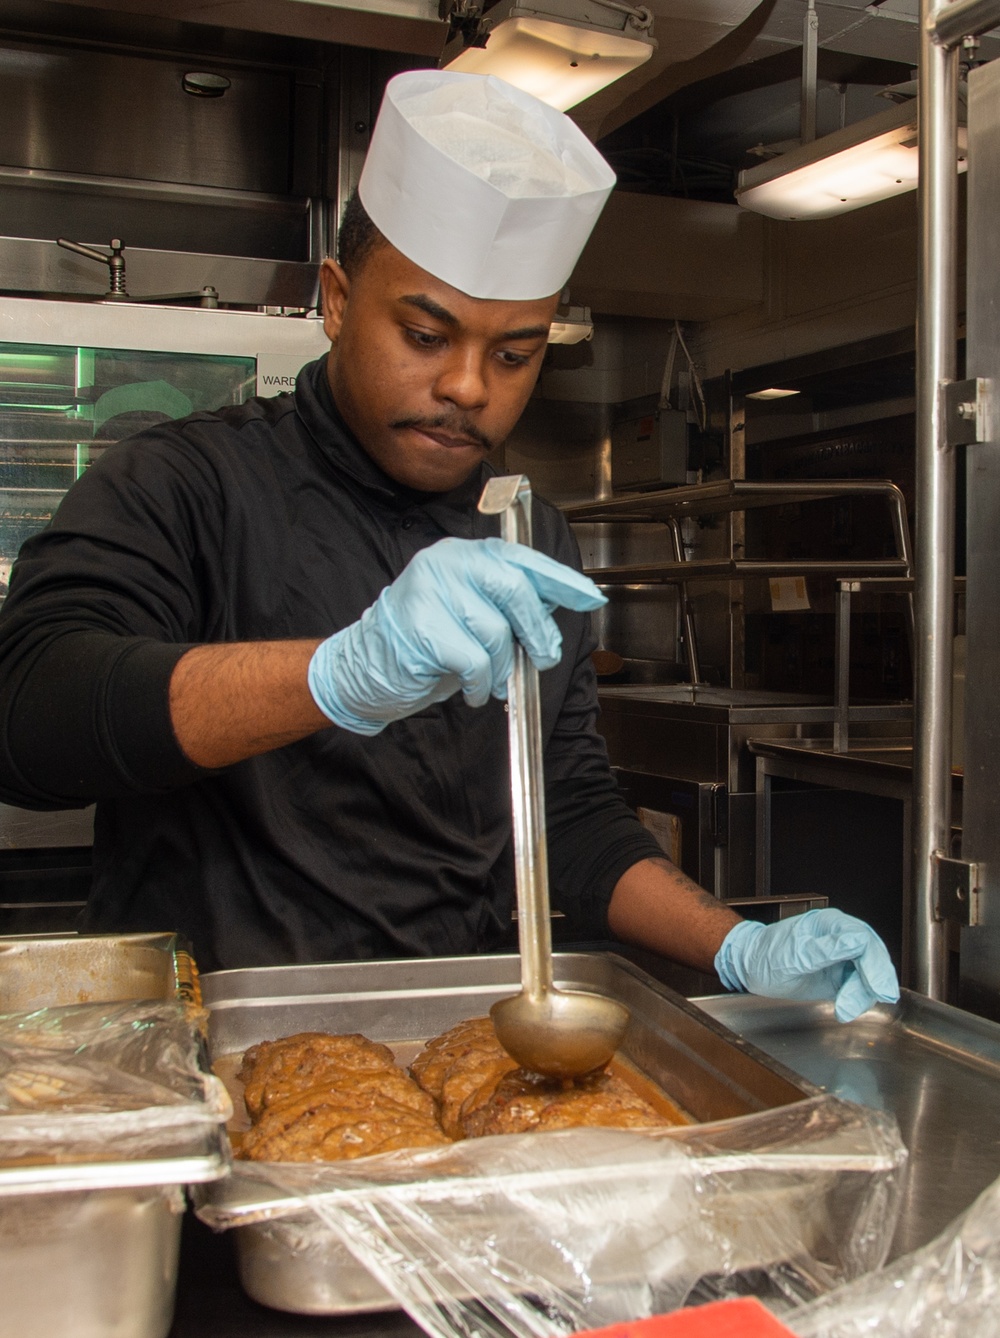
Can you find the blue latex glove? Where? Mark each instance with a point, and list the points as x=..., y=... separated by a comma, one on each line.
x=446, y=623
x=819, y=955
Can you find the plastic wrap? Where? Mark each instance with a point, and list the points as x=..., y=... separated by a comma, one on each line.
x=948, y=1289
x=554, y=1233
x=104, y=1082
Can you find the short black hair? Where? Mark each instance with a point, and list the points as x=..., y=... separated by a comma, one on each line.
x=358, y=236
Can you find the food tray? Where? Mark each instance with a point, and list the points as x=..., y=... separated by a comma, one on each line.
x=56, y=970
x=39, y=971
x=90, y=1265
x=709, y=1072
x=89, y=1243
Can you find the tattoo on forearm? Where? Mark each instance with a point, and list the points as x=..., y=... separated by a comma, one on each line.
x=678, y=876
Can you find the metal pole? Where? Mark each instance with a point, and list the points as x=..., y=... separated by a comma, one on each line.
x=354, y=125
x=842, y=673
x=935, y=556
x=602, y=552
x=810, y=43
x=964, y=18
x=690, y=632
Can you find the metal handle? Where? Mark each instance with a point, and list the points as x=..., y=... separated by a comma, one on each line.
x=510, y=497
x=115, y=262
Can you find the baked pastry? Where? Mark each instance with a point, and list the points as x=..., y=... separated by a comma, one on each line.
x=480, y=1090
x=273, y=1071
x=318, y=1097
x=524, y=1103
x=324, y=1124
x=461, y=1069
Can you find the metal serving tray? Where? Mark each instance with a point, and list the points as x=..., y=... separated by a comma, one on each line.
x=711, y=1073
x=90, y=1248
x=708, y=1070
x=57, y=970
x=90, y=1265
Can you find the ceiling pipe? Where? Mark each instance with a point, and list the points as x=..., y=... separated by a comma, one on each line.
x=664, y=75
x=810, y=48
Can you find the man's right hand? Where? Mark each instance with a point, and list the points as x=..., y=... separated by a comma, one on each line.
x=446, y=624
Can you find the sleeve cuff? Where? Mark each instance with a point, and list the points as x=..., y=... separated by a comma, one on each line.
x=91, y=720
x=139, y=692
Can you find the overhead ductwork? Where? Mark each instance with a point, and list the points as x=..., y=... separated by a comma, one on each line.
x=695, y=38
x=410, y=26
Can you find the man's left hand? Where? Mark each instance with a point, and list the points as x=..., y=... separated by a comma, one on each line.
x=819, y=955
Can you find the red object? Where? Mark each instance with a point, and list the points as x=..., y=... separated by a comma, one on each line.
x=745, y=1318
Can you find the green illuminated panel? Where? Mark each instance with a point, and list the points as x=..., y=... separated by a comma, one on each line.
x=61, y=406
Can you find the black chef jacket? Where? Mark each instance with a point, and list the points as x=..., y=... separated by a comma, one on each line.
x=261, y=522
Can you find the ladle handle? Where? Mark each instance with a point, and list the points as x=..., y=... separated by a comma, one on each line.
x=524, y=723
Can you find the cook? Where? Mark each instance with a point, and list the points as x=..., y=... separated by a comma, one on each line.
x=272, y=641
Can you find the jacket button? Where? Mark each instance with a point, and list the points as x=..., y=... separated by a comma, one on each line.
x=407, y=522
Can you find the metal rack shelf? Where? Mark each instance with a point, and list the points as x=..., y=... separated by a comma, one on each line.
x=671, y=506
x=704, y=499
x=723, y=569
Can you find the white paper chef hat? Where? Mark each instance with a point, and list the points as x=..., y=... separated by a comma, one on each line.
x=481, y=184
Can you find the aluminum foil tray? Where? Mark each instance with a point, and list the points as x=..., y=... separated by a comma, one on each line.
x=707, y=1070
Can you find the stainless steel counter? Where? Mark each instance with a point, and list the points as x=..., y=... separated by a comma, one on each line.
x=700, y=736
x=936, y=1068
x=888, y=759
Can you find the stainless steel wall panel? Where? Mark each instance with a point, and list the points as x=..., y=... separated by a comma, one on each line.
x=309, y=133
x=189, y=219
x=355, y=113
x=642, y=623
x=556, y=444
x=980, y=947
x=29, y=266
x=99, y=139
x=113, y=114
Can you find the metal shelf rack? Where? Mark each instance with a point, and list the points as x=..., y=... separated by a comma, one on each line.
x=671, y=506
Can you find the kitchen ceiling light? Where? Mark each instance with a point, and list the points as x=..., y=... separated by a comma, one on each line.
x=559, y=50
x=771, y=393
x=868, y=161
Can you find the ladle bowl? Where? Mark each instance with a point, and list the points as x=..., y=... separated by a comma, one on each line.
x=562, y=1033
x=559, y=1033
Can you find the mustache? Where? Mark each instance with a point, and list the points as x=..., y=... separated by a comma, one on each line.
x=453, y=427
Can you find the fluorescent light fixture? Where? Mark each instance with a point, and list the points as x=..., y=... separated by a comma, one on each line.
x=871, y=160
x=548, y=48
x=571, y=326
x=772, y=393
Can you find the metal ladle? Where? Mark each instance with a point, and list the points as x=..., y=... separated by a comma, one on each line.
x=563, y=1033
